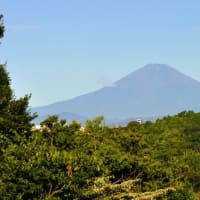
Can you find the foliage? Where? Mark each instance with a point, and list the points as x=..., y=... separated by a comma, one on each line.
x=1, y=26
x=63, y=161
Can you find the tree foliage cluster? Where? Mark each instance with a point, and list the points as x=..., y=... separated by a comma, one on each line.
x=153, y=160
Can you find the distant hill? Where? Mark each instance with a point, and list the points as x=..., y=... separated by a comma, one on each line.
x=65, y=115
x=153, y=90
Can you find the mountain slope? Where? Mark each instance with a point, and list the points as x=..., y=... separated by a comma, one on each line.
x=153, y=90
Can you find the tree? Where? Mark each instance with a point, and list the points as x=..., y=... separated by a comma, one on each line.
x=15, y=118
x=15, y=129
x=5, y=91
x=1, y=26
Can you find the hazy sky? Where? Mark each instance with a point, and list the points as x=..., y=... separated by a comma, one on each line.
x=59, y=49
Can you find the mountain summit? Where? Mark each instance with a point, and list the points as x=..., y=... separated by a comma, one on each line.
x=153, y=76
x=153, y=90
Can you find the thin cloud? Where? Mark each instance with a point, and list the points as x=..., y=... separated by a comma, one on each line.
x=105, y=81
x=21, y=27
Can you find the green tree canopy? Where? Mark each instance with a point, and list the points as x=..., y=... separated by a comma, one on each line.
x=5, y=90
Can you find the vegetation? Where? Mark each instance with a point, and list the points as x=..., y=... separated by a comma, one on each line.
x=159, y=160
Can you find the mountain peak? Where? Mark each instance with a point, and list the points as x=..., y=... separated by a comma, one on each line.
x=158, y=67
x=154, y=75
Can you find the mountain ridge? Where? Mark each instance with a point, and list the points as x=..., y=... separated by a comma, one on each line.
x=153, y=90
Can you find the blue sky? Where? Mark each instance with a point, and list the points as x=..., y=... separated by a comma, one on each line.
x=59, y=49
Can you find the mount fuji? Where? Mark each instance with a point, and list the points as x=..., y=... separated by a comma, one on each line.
x=153, y=90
